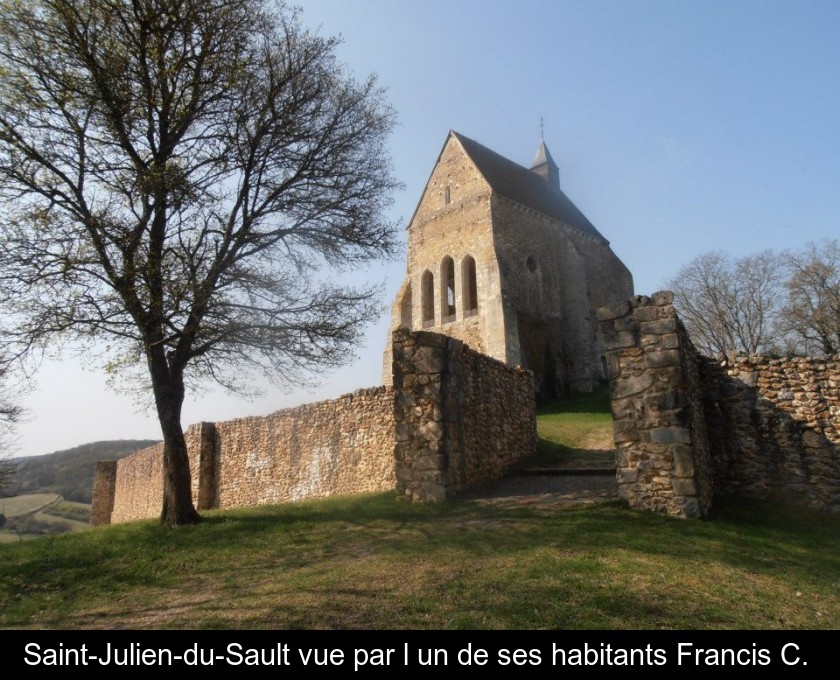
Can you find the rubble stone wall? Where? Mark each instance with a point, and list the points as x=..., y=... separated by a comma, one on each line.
x=774, y=427
x=138, y=480
x=462, y=418
x=689, y=429
x=340, y=446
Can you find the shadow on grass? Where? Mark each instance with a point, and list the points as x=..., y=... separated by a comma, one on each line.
x=597, y=401
x=753, y=536
x=324, y=545
x=553, y=454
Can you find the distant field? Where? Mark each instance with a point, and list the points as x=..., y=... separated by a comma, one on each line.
x=78, y=512
x=24, y=505
x=73, y=524
x=36, y=515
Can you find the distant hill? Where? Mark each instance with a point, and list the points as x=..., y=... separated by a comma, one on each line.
x=69, y=472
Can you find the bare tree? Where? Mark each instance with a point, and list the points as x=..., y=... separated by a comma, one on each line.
x=173, y=173
x=729, y=304
x=10, y=414
x=811, y=313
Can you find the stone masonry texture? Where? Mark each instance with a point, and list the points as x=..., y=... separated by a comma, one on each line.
x=104, y=477
x=660, y=433
x=774, y=426
x=341, y=446
x=462, y=418
x=689, y=429
x=138, y=484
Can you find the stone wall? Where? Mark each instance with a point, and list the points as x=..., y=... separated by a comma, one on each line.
x=775, y=428
x=454, y=418
x=660, y=433
x=688, y=428
x=340, y=446
x=343, y=445
x=104, y=480
x=138, y=479
x=497, y=416
x=138, y=487
x=462, y=418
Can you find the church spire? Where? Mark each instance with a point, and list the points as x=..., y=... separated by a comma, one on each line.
x=544, y=164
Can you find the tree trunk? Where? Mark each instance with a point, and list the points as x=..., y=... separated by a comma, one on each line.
x=178, y=508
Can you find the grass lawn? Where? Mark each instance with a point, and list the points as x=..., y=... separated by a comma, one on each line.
x=373, y=562
x=576, y=432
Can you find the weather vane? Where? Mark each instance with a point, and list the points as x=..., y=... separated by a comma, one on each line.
x=542, y=128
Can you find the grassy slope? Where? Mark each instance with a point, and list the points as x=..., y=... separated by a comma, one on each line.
x=576, y=432
x=373, y=562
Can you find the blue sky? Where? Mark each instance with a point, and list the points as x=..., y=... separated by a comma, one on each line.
x=679, y=127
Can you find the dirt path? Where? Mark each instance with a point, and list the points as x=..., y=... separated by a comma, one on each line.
x=547, y=490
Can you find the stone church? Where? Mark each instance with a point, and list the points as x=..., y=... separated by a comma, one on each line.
x=500, y=258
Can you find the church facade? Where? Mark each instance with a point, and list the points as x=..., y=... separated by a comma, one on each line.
x=500, y=258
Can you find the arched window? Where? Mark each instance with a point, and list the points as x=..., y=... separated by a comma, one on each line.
x=447, y=272
x=447, y=196
x=427, y=298
x=469, y=286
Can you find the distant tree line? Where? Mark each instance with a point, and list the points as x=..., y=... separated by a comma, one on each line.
x=10, y=414
x=777, y=303
x=70, y=472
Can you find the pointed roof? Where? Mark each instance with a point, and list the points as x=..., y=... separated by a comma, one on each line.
x=543, y=156
x=524, y=186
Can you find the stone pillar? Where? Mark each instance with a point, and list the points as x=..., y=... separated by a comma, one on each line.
x=104, y=483
x=207, y=467
x=420, y=361
x=461, y=418
x=658, y=423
